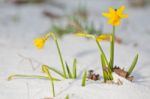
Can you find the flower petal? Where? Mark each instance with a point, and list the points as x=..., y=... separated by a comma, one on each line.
x=124, y=16
x=111, y=10
x=106, y=15
x=121, y=9
x=103, y=37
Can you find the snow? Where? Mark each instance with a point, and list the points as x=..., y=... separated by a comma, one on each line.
x=19, y=25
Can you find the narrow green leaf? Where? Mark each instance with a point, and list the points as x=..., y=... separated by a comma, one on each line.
x=45, y=70
x=84, y=78
x=107, y=73
x=75, y=68
x=102, y=52
x=68, y=71
x=30, y=76
x=105, y=76
x=67, y=97
x=56, y=71
x=103, y=68
x=133, y=65
x=110, y=74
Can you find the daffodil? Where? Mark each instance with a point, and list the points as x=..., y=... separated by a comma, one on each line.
x=115, y=15
x=40, y=42
x=99, y=38
x=103, y=37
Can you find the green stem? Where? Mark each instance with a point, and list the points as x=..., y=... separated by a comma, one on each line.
x=61, y=59
x=102, y=52
x=111, y=64
x=50, y=77
x=45, y=70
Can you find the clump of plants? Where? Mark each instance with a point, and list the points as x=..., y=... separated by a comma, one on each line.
x=74, y=25
x=66, y=73
x=76, y=21
x=114, y=18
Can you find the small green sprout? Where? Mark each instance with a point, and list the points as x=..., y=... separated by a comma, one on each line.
x=67, y=97
x=84, y=78
x=133, y=65
x=73, y=74
x=75, y=69
x=68, y=70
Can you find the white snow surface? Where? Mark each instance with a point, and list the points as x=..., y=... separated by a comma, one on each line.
x=19, y=25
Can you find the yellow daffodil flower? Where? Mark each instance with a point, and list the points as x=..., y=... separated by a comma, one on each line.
x=99, y=38
x=115, y=15
x=40, y=42
x=103, y=37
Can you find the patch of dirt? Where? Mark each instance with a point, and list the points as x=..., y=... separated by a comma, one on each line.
x=93, y=76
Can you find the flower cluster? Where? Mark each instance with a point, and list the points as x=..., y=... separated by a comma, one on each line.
x=114, y=17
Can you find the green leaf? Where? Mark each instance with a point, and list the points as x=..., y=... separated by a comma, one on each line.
x=45, y=70
x=56, y=71
x=75, y=68
x=30, y=76
x=67, y=97
x=84, y=78
x=133, y=65
x=107, y=73
x=103, y=67
x=68, y=70
x=102, y=52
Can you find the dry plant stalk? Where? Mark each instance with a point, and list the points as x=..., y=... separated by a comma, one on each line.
x=122, y=73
